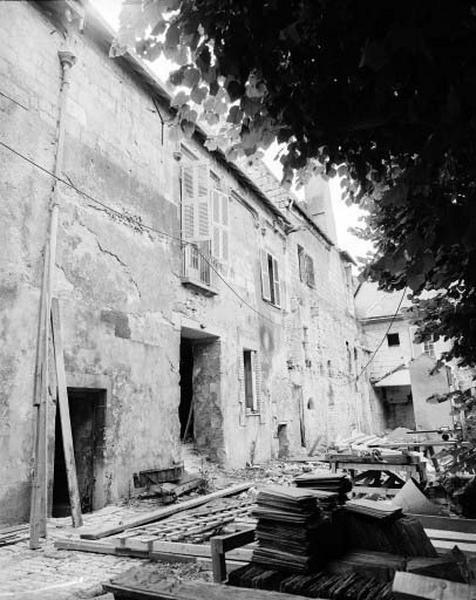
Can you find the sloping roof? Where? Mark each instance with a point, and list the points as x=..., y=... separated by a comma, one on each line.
x=283, y=198
x=100, y=31
x=396, y=379
x=372, y=303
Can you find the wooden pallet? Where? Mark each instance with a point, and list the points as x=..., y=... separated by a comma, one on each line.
x=192, y=526
x=163, y=513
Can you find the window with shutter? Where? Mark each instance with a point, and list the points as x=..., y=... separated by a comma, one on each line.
x=301, y=261
x=220, y=218
x=265, y=281
x=249, y=380
x=270, y=282
x=309, y=271
x=276, y=284
x=195, y=202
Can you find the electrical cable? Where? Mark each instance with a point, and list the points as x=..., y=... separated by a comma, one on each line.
x=384, y=335
x=139, y=224
x=182, y=242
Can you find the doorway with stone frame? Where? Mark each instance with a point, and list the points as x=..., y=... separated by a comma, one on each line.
x=200, y=406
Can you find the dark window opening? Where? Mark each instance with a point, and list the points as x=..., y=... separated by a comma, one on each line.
x=393, y=339
x=250, y=403
x=186, y=390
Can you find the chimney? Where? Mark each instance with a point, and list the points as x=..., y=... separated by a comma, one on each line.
x=319, y=205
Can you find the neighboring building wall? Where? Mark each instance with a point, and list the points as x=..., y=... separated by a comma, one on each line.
x=123, y=305
x=388, y=357
x=425, y=383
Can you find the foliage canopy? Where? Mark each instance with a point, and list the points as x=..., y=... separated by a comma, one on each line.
x=382, y=93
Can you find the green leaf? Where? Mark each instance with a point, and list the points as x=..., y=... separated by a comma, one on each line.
x=180, y=99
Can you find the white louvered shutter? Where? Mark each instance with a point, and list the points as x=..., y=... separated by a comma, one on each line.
x=277, y=285
x=220, y=224
x=265, y=282
x=241, y=397
x=225, y=222
x=202, y=181
x=188, y=202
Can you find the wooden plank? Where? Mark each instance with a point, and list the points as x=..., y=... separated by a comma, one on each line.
x=39, y=503
x=440, y=534
x=86, y=546
x=446, y=523
x=409, y=586
x=162, y=513
x=448, y=545
x=188, y=590
x=230, y=541
x=63, y=406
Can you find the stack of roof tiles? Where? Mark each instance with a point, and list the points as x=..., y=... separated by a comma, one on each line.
x=293, y=532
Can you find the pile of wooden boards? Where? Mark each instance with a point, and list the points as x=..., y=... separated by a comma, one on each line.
x=330, y=482
x=403, y=535
x=14, y=534
x=374, y=509
x=174, y=533
x=316, y=585
x=292, y=532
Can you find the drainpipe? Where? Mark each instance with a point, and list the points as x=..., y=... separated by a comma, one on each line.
x=39, y=508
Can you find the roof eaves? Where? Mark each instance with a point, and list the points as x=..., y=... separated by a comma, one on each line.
x=105, y=34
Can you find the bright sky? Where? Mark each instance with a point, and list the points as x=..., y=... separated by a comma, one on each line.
x=346, y=217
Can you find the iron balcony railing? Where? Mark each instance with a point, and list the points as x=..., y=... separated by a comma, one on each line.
x=199, y=266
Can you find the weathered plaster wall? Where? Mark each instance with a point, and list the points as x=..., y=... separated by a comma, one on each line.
x=424, y=384
x=388, y=357
x=122, y=303
x=115, y=284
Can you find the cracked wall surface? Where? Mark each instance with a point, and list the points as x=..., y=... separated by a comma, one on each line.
x=123, y=306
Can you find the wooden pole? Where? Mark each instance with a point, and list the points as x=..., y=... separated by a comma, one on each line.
x=39, y=492
x=63, y=406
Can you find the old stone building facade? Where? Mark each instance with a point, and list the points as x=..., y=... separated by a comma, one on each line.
x=253, y=323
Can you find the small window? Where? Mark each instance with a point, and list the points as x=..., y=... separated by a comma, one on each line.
x=393, y=339
x=270, y=283
x=251, y=401
x=429, y=347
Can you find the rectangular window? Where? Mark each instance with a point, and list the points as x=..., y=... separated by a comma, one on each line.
x=306, y=267
x=393, y=339
x=220, y=223
x=429, y=347
x=270, y=283
x=250, y=381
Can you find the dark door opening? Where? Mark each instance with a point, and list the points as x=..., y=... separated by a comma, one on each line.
x=186, y=390
x=87, y=414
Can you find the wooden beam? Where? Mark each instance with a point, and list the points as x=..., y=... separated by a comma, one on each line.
x=162, y=513
x=409, y=586
x=220, y=544
x=63, y=406
x=446, y=523
x=39, y=504
x=188, y=590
